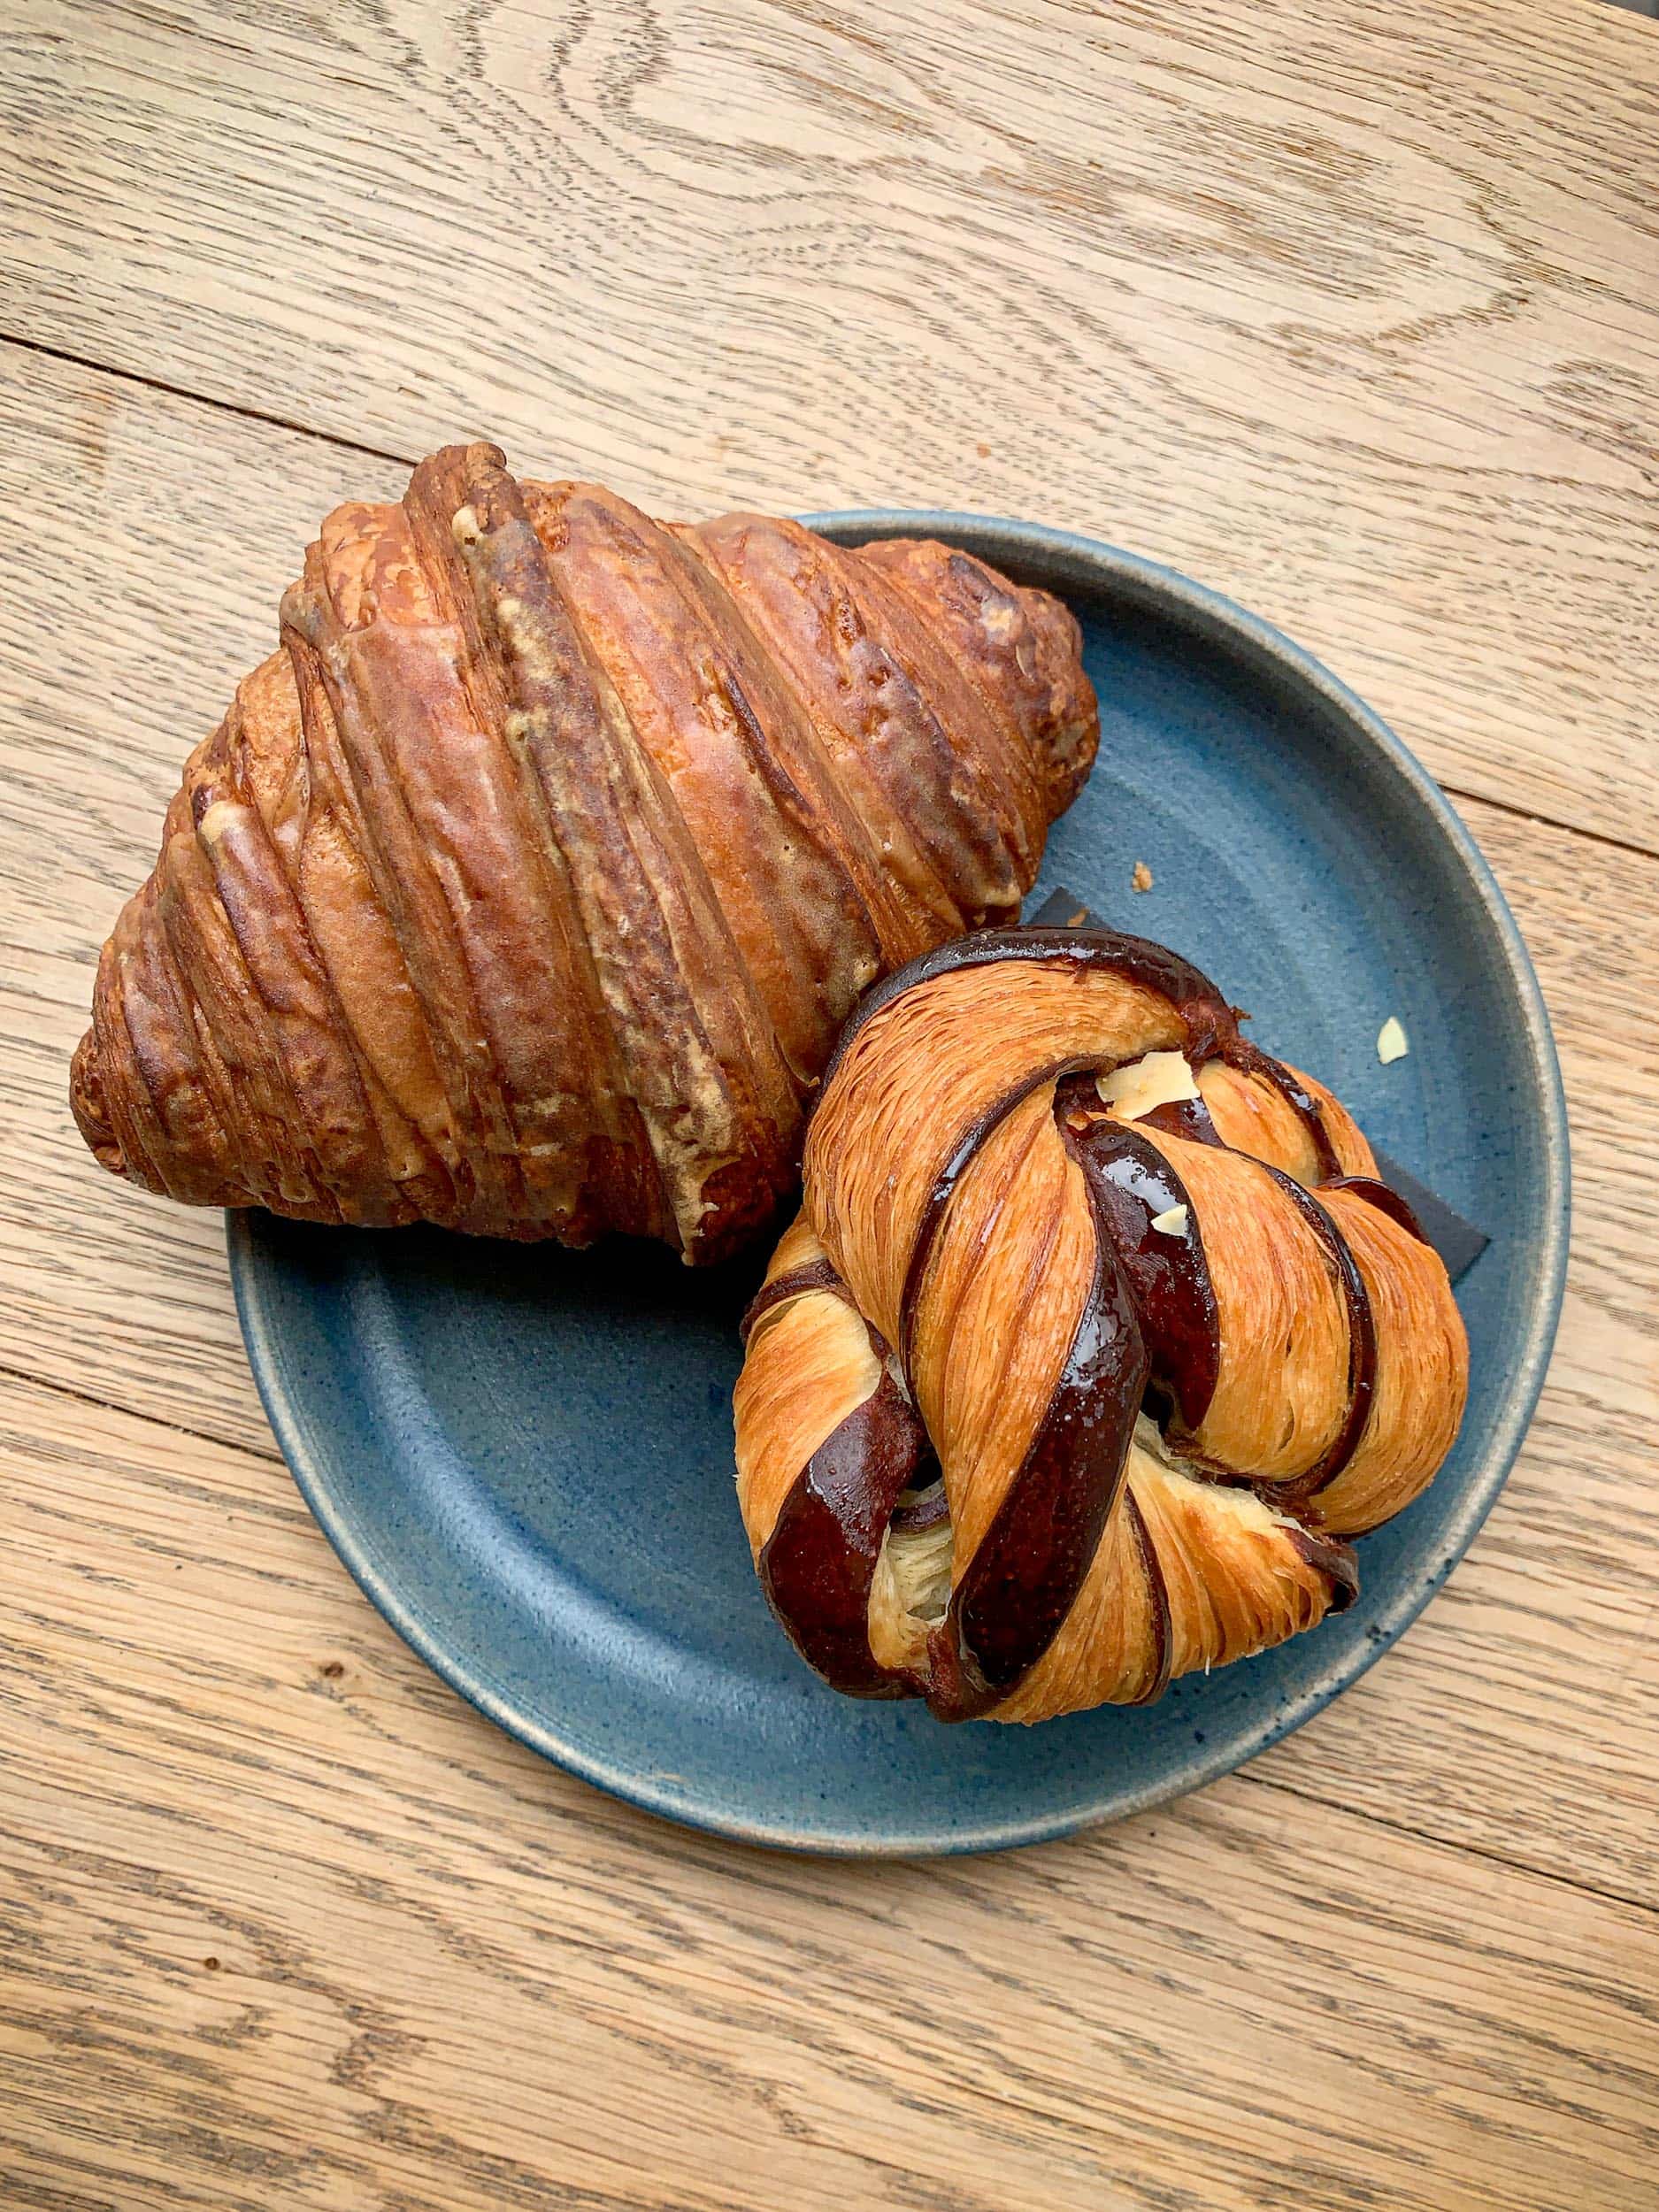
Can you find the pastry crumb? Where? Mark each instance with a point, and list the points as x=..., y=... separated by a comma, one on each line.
x=1172, y=1223
x=1391, y=1041
x=1141, y=879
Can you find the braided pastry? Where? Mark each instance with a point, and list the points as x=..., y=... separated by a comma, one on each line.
x=1096, y=1338
x=526, y=887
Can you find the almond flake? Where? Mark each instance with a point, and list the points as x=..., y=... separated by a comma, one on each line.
x=1158, y=1079
x=1172, y=1223
x=1391, y=1041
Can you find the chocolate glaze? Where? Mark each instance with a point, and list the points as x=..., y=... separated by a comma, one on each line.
x=1023, y=1579
x=1131, y=1183
x=1332, y=1558
x=1187, y=1118
x=1384, y=1197
x=1158, y=1591
x=811, y=1275
x=818, y=1564
x=932, y=1506
x=1362, y=1347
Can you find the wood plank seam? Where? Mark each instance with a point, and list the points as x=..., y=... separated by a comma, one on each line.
x=1602, y=838
x=8, y=1373
x=72, y=360
x=1609, y=1892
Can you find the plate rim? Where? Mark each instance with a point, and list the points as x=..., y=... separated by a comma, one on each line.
x=1147, y=581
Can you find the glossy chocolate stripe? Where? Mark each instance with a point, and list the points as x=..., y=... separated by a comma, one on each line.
x=1384, y=1198
x=818, y=1564
x=961, y=1158
x=811, y=1275
x=1187, y=1118
x=1208, y=1018
x=932, y=1506
x=1334, y=1558
x=1023, y=1579
x=1168, y=1274
x=1158, y=1593
x=1361, y=1348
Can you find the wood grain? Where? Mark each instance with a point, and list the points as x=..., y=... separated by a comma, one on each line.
x=1349, y=311
x=1548, y=1624
x=322, y=1937
x=1354, y=315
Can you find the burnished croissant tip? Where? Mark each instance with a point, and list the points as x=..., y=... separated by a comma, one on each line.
x=86, y=1103
x=1165, y=1344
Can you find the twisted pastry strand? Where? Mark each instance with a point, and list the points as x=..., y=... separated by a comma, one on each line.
x=1096, y=1338
x=526, y=887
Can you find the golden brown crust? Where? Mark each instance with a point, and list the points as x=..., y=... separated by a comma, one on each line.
x=1217, y=1276
x=525, y=888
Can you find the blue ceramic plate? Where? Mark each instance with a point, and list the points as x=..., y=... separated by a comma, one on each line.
x=524, y=1456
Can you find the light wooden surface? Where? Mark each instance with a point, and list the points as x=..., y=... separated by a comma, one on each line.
x=1353, y=312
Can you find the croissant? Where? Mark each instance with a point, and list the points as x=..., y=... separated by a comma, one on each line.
x=1094, y=1342
x=526, y=887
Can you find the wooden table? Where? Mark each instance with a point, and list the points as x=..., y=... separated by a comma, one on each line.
x=1351, y=312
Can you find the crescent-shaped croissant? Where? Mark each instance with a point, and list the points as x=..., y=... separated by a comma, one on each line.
x=524, y=888
x=1094, y=1340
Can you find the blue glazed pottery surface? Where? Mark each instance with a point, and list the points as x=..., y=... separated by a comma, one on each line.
x=525, y=1455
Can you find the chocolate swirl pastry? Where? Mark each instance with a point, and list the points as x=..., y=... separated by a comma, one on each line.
x=524, y=888
x=1096, y=1339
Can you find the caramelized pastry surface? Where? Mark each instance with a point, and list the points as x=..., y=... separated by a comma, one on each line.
x=526, y=887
